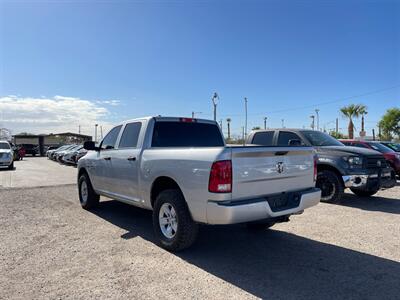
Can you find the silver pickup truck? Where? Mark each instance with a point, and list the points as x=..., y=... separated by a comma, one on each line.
x=182, y=170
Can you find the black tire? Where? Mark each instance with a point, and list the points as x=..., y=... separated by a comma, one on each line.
x=11, y=167
x=259, y=225
x=364, y=193
x=331, y=186
x=92, y=199
x=187, y=229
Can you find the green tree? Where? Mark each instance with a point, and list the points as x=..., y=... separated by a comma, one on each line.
x=256, y=128
x=337, y=135
x=390, y=123
x=350, y=112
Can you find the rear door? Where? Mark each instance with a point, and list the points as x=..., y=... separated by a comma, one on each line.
x=259, y=171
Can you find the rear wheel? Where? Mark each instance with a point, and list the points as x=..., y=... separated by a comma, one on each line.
x=87, y=196
x=332, y=188
x=364, y=193
x=173, y=224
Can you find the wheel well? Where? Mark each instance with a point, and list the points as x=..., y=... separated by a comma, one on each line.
x=330, y=168
x=82, y=171
x=161, y=184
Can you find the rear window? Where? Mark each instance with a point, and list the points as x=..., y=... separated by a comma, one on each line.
x=181, y=134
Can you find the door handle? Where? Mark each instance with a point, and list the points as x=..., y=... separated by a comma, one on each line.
x=107, y=158
x=131, y=158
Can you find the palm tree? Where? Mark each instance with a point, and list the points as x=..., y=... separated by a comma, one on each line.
x=350, y=112
x=228, y=120
x=363, y=112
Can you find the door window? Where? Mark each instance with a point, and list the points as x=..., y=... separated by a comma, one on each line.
x=263, y=138
x=110, y=139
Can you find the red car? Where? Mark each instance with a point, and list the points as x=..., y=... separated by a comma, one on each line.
x=391, y=156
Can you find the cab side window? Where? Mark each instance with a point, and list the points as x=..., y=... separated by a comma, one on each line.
x=287, y=138
x=130, y=135
x=263, y=138
x=110, y=139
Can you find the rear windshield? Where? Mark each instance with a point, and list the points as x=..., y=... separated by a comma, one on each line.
x=181, y=134
x=4, y=146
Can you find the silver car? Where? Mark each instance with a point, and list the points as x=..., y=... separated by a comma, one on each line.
x=6, y=155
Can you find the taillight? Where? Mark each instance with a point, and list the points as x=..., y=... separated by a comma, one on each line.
x=315, y=168
x=221, y=177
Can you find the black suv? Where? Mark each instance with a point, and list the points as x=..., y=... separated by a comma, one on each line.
x=364, y=171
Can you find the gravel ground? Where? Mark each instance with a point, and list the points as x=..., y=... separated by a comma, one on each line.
x=50, y=248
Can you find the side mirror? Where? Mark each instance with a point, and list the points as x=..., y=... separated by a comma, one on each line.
x=294, y=142
x=90, y=145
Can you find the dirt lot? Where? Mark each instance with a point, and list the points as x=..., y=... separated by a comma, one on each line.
x=51, y=248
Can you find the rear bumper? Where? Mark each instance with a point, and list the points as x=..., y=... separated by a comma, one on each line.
x=381, y=179
x=231, y=212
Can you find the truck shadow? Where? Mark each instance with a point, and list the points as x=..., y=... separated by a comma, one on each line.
x=374, y=203
x=273, y=264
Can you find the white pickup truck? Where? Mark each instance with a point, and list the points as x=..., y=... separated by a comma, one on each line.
x=182, y=170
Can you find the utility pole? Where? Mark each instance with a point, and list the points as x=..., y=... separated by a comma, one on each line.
x=79, y=129
x=265, y=122
x=194, y=113
x=95, y=132
x=312, y=122
x=379, y=132
x=373, y=134
x=228, y=122
x=245, y=109
x=283, y=123
x=214, y=100
x=317, y=112
x=243, y=135
x=337, y=125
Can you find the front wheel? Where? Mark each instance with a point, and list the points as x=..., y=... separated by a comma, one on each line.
x=87, y=196
x=332, y=188
x=364, y=193
x=172, y=222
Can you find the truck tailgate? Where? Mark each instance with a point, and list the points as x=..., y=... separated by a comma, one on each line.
x=259, y=171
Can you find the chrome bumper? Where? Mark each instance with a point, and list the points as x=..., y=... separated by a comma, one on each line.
x=361, y=180
x=220, y=213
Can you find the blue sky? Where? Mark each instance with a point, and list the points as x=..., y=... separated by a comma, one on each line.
x=169, y=57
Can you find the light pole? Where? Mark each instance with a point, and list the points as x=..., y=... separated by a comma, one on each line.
x=215, y=99
x=228, y=121
x=265, y=122
x=317, y=112
x=312, y=122
x=245, y=110
x=95, y=132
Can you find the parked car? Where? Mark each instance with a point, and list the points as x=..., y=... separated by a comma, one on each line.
x=6, y=155
x=364, y=171
x=394, y=146
x=181, y=169
x=390, y=155
x=51, y=152
x=55, y=155
x=69, y=156
x=81, y=153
